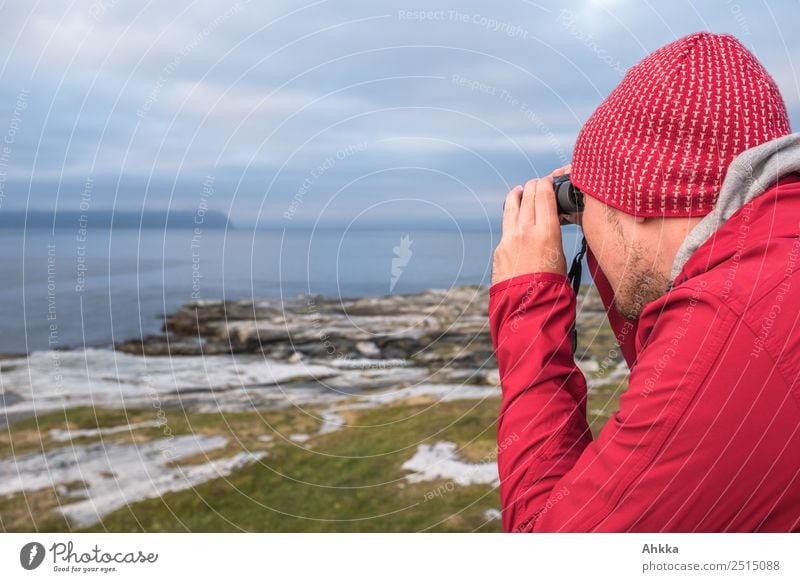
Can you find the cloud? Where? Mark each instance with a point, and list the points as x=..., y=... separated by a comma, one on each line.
x=148, y=99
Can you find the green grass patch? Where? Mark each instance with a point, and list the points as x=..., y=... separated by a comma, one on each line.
x=348, y=480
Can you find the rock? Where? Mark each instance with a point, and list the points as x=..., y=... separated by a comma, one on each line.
x=492, y=377
x=8, y=398
x=368, y=349
x=436, y=333
x=433, y=327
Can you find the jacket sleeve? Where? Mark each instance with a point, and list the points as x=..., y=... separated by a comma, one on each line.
x=542, y=427
x=554, y=477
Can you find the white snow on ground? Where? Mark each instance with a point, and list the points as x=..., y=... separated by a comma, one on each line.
x=492, y=514
x=441, y=392
x=66, y=435
x=47, y=381
x=331, y=421
x=440, y=461
x=54, y=381
x=368, y=363
x=116, y=474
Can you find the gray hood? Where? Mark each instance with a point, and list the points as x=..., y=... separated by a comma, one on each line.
x=750, y=174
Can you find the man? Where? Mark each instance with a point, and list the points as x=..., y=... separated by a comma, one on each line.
x=692, y=217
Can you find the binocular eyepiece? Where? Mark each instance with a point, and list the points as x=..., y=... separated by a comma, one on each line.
x=568, y=198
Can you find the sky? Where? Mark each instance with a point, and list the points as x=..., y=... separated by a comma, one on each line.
x=330, y=112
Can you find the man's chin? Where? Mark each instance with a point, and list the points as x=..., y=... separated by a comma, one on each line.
x=628, y=310
x=632, y=298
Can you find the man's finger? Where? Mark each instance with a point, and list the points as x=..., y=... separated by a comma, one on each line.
x=562, y=170
x=546, y=210
x=511, y=208
x=527, y=211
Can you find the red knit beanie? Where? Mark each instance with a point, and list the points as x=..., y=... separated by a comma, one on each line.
x=659, y=145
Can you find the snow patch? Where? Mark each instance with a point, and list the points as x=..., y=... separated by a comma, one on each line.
x=440, y=461
x=106, y=378
x=368, y=363
x=118, y=474
x=67, y=435
x=331, y=421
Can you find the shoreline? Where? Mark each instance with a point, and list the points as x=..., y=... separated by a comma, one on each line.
x=401, y=386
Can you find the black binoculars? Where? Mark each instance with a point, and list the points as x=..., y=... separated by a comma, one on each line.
x=568, y=198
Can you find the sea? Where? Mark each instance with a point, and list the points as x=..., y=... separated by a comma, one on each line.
x=67, y=288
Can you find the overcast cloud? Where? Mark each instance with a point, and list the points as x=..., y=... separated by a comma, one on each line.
x=329, y=110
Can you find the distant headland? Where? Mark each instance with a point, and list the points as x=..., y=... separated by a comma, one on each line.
x=150, y=219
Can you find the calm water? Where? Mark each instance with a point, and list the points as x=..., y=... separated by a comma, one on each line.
x=57, y=291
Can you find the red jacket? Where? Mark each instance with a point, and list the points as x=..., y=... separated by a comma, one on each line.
x=707, y=435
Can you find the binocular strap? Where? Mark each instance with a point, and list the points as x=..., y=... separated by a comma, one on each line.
x=574, y=276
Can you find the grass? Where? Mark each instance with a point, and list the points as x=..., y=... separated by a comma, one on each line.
x=348, y=480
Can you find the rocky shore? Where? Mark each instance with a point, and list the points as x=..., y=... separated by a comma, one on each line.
x=443, y=334
x=374, y=413
x=234, y=356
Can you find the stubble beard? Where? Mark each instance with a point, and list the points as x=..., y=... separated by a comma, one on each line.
x=639, y=286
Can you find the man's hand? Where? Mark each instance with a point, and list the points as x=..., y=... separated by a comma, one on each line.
x=531, y=240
